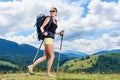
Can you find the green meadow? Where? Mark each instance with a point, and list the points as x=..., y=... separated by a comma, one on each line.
x=59, y=76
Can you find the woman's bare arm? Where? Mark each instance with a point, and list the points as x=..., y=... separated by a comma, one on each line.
x=60, y=33
x=45, y=23
x=57, y=33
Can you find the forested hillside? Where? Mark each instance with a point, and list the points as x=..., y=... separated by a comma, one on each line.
x=107, y=63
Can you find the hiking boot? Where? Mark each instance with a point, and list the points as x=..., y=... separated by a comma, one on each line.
x=30, y=69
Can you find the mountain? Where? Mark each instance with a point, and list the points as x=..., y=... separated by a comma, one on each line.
x=23, y=54
x=74, y=54
x=107, y=52
x=11, y=48
x=116, y=51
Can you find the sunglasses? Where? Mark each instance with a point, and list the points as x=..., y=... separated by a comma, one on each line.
x=52, y=11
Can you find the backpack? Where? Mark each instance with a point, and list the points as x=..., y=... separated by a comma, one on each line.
x=39, y=21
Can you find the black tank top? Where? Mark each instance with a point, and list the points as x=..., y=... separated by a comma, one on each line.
x=52, y=29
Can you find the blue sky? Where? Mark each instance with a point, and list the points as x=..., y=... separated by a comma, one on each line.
x=90, y=25
x=109, y=0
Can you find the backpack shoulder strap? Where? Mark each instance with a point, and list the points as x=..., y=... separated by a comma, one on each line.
x=56, y=20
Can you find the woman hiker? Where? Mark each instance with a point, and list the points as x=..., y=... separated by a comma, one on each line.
x=48, y=42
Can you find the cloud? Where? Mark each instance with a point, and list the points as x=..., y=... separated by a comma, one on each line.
x=86, y=34
x=24, y=18
x=105, y=15
x=105, y=42
x=101, y=16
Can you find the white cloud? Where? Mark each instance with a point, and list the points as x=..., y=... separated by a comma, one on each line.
x=19, y=16
x=104, y=15
x=105, y=42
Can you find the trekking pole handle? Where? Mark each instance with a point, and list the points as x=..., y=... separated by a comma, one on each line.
x=61, y=42
x=62, y=33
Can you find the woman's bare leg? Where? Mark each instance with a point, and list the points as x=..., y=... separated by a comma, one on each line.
x=50, y=49
x=38, y=60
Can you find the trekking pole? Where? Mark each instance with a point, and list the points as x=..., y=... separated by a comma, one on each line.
x=59, y=54
x=37, y=51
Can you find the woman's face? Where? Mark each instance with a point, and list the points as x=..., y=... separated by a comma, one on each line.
x=53, y=12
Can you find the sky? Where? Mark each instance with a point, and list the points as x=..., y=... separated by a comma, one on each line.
x=90, y=25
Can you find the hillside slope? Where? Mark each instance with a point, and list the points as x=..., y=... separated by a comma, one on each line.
x=107, y=63
x=81, y=63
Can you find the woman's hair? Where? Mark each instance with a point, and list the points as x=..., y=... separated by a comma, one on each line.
x=54, y=8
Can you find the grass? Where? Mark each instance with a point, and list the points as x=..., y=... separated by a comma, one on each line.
x=77, y=63
x=61, y=76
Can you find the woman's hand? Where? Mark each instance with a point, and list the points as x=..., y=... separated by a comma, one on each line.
x=45, y=33
x=62, y=33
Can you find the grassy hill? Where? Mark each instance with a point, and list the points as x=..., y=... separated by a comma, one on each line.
x=83, y=63
x=107, y=63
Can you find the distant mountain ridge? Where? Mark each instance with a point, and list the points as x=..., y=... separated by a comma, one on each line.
x=11, y=47
x=74, y=54
x=108, y=52
x=7, y=46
